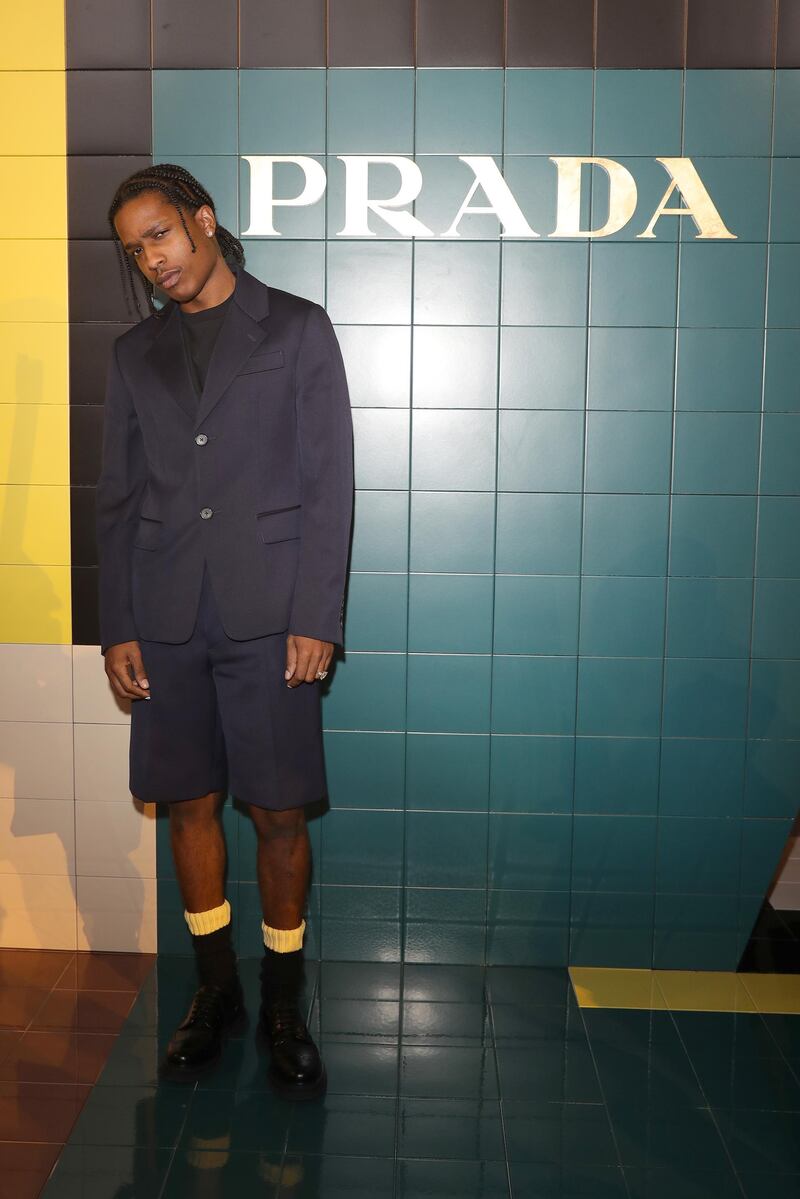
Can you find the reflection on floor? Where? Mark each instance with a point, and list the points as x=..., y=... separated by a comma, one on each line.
x=60, y=1014
x=446, y=1082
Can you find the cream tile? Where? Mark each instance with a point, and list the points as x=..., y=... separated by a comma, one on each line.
x=116, y=840
x=37, y=836
x=101, y=763
x=94, y=700
x=786, y=897
x=36, y=682
x=117, y=914
x=38, y=911
x=35, y=760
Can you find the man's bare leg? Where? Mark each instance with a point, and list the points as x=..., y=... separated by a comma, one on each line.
x=283, y=865
x=198, y=850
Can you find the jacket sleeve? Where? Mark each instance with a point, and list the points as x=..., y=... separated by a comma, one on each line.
x=119, y=492
x=325, y=437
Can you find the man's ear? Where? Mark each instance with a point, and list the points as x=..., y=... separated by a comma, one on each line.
x=205, y=218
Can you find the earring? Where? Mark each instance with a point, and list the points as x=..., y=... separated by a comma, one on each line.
x=209, y=233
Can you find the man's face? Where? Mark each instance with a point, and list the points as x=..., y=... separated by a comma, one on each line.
x=154, y=238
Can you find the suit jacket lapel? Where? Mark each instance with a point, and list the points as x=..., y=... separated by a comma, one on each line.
x=243, y=330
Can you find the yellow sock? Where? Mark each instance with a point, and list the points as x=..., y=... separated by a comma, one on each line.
x=283, y=940
x=210, y=921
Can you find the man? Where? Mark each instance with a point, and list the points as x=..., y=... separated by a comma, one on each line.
x=223, y=518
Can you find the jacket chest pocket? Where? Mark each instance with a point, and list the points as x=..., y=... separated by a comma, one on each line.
x=262, y=362
x=148, y=533
x=280, y=525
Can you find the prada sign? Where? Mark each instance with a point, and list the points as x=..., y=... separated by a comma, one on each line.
x=681, y=176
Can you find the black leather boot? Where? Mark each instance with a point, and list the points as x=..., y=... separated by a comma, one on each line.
x=296, y=1069
x=197, y=1041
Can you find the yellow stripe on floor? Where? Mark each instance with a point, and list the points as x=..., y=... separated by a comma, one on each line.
x=686, y=990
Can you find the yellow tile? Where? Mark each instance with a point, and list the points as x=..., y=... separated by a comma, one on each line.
x=33, y=36
x=33, y=197
x=34, y=443
x=36, y=605
x=38, y=101
x=33, y=283
x=605, y=987
x=39, y=911
x=34, y=525
x=34, y=363
x=774, y=992
x=704, y=991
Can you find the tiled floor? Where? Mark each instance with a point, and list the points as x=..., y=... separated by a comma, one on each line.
x=446, y=1082
x=60, y=1014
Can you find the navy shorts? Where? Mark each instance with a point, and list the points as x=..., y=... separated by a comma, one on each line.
x=222, y=718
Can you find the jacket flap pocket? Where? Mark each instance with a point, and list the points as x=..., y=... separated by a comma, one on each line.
x=279, y=525
x=262, y=362
x=148, y=533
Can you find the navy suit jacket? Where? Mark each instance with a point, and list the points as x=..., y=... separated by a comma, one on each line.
x=256, y=478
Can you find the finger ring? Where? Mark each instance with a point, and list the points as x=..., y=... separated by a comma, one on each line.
x=321, y=674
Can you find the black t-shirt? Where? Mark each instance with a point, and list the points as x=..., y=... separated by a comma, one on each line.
x=200, y=331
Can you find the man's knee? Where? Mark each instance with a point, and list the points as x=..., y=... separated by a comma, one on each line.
x=273, y=825
x=191, y=813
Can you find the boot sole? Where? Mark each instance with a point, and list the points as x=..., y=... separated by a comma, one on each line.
x=176, y=1073
x=291, y=1090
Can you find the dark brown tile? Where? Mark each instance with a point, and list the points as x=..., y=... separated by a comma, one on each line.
x=8, y=1039
x=550, y=33
x=25, y=1168
x=82, y=530
x=633, y=34
x=788, y=34
x=273, y=33
x=56, y=1057
x=19, y=1005
x=33, y=967
x=85, y=444
x=85, y=1011
x=98, y=971
x=197, y=35
x=85, y=616
x=109, y=112
x=90, y=346
x=97, y=291
x=91, y=183
x=371, y=33
x=724, y=35
x=114, y=34
x=40, y=1112
x=460, y=33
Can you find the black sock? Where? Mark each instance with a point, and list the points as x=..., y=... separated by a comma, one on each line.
x=216, y=957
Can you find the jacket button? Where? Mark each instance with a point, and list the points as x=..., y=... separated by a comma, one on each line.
x=206, y=512
x=201, y=438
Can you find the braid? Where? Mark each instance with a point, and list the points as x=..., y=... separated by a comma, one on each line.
x=184, y=192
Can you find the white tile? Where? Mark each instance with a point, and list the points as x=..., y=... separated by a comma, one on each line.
x=35, y=760
x=38, y=911
x=116, y=840
x=101, y=762
x=117, y=914
x=94, y=700
x=36, y=682
x=37, y=836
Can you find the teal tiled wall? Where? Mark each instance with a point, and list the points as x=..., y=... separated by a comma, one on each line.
x=567, y=727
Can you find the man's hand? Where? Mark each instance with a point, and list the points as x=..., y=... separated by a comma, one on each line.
x=121, y=660
x=304, y=657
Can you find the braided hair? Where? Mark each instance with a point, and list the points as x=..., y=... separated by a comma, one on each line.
x=185, y=192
